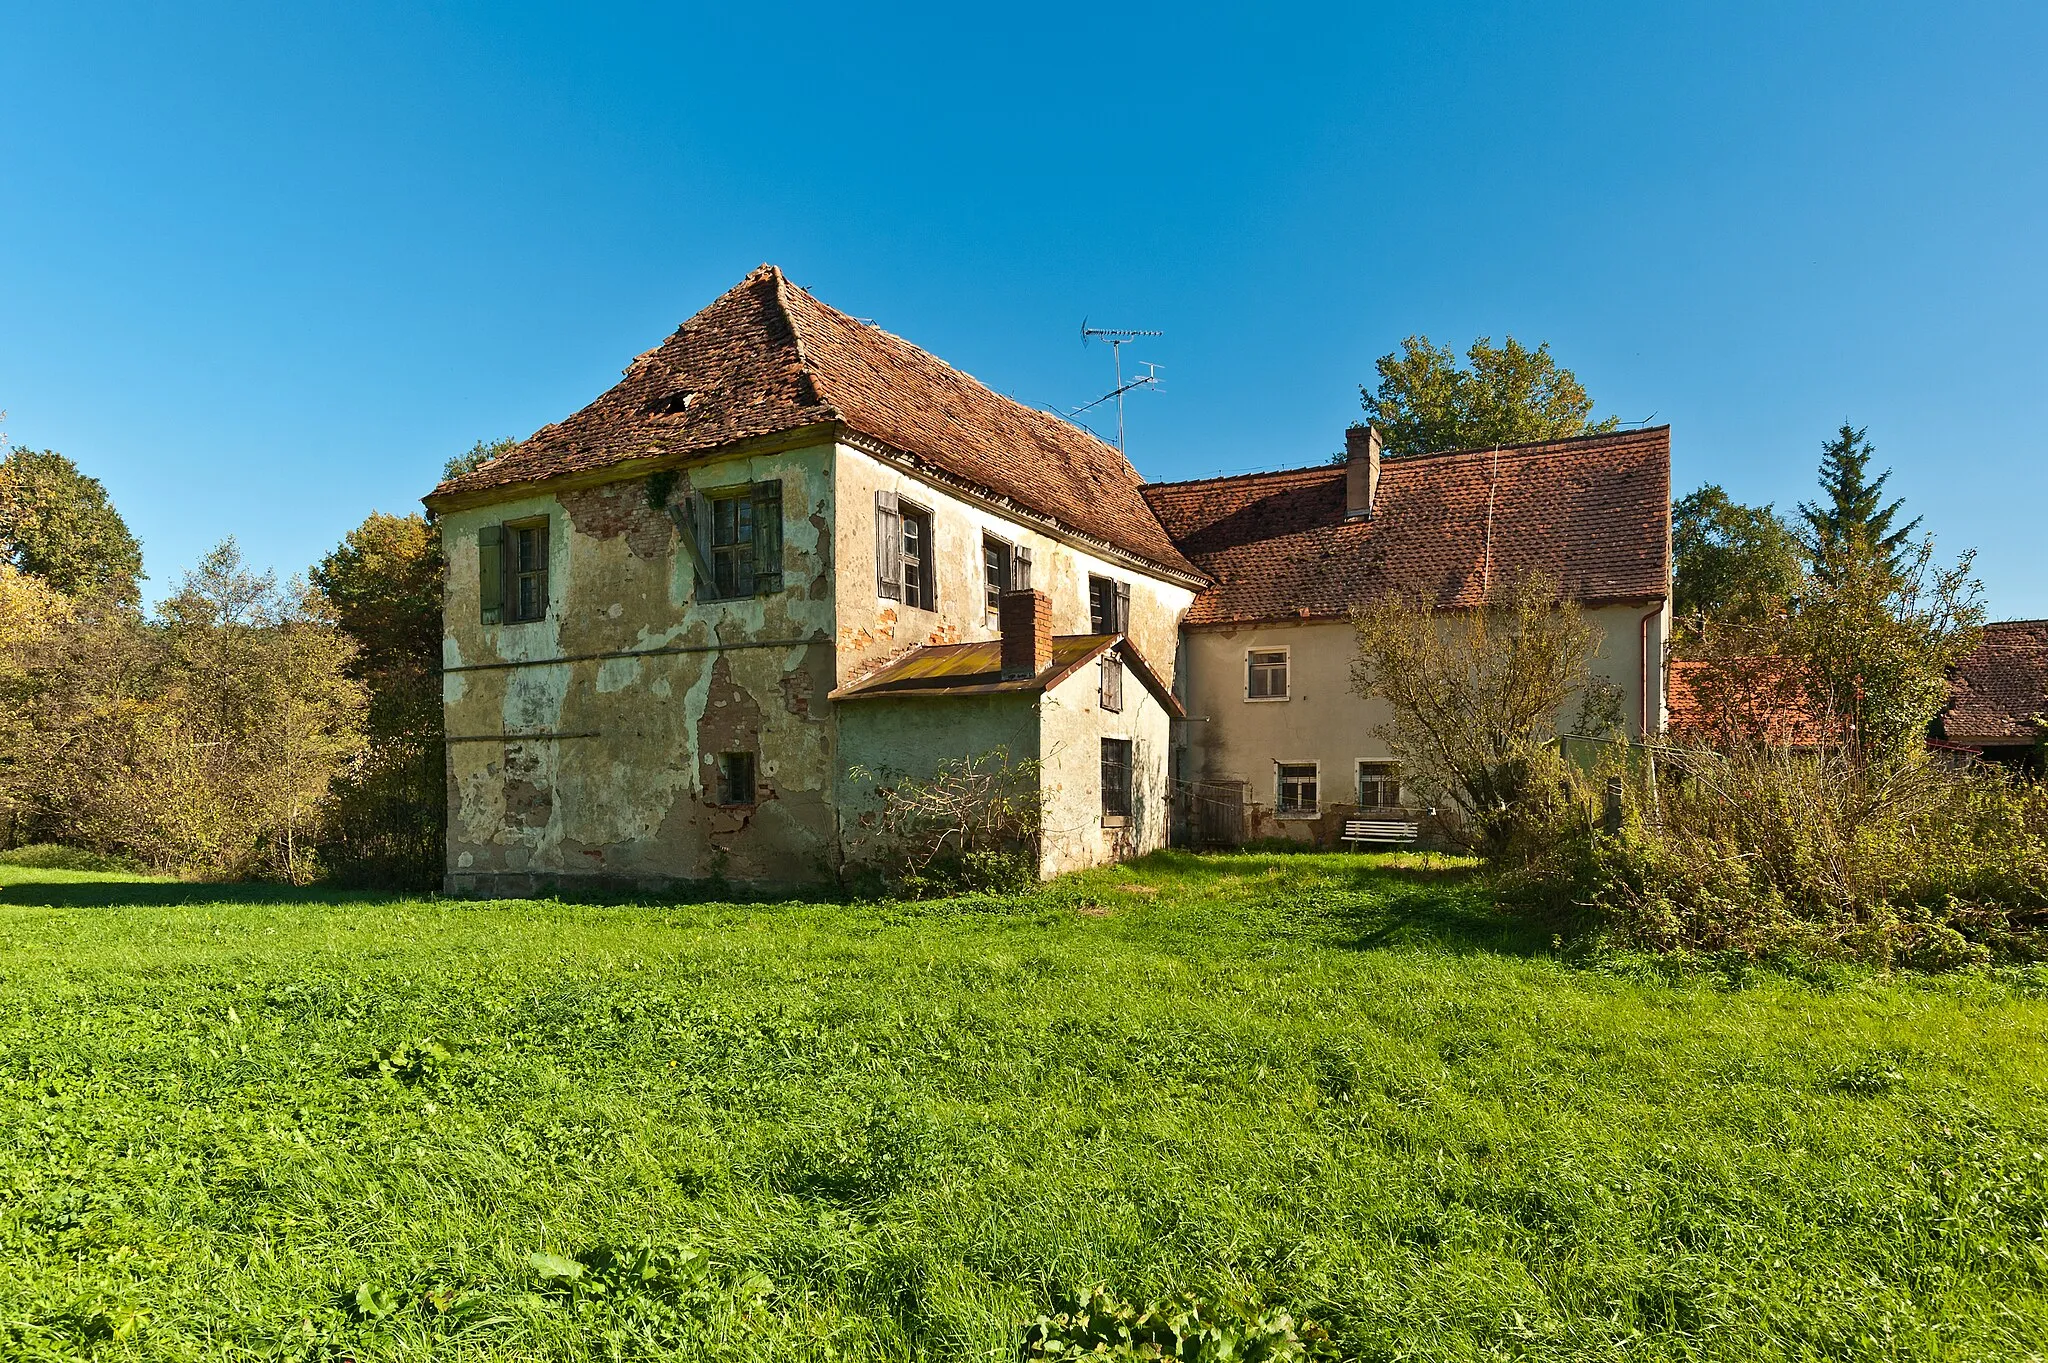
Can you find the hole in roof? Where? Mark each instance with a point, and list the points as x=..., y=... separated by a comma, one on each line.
x=674, y=402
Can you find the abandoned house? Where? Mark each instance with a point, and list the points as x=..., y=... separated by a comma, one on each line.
x=789, y=550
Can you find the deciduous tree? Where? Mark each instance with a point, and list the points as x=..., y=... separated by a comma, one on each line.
x=1734, y=564
x=58, y=524
x=1506, y=395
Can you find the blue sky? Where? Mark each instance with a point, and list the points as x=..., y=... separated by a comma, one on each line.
x=263, y=268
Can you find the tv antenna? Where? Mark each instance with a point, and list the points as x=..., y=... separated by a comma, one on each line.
x=1116, y=340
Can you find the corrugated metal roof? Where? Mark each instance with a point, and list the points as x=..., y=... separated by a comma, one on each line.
x=977, y=670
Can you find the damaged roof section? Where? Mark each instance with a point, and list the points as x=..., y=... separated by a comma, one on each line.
x=1999, y=694
x=768, y=358
x=977, y=670
x=1592, y=512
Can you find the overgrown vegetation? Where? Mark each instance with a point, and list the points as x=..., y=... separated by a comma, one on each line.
x=1242, y=1095
x=1798, y=809
x=972, y=825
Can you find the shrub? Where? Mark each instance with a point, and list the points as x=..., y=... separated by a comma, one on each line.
x=971, y=826
x=1188, y=1328
x=1760, y=850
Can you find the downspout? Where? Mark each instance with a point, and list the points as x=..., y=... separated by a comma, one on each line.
x=1643, y=632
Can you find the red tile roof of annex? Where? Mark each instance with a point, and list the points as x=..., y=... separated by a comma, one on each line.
x=2001, y=689
x=1593, y=512
x=767, y=357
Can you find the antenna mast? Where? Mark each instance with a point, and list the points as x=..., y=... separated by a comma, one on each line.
x=1117, y=340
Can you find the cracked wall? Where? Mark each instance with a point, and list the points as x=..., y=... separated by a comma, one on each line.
x=584, y=748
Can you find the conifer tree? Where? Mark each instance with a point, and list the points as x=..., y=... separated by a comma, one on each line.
x=1849, y=524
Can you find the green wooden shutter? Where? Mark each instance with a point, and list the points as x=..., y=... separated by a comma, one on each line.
x=490, y=572
x=768, y=536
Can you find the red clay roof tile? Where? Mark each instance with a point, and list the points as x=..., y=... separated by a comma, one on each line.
x=2000, y=692
x=1594, y=512
x=767, y=357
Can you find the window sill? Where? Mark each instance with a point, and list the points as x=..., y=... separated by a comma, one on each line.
x=1297, y=813
x=1265, y=700
x=1116, y=821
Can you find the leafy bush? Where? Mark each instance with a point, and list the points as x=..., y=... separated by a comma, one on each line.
x=1182, y=1327
x=50, y=856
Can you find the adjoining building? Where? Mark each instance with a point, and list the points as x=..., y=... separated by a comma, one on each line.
x=1275, y=727
x=788, y=544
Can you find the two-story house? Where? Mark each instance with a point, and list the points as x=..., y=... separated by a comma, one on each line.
x=789, y=548
x=786, y=545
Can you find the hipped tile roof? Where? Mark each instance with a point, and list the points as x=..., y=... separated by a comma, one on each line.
x=2001, y=689
x=1592, y=512
x=767, y=358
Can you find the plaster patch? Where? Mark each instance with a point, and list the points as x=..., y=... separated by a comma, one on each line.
x=616, y=674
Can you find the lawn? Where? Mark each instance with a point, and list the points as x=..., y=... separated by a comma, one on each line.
x=248, y=1123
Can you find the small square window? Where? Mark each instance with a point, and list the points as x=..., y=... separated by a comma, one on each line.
x=1379, y=785
x=1266, y=674
x=735, y=778
x=1297, y=793
x=1116, y=778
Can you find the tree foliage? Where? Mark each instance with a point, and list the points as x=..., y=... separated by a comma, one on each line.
x=1852, y=523
x=58, y=524
x=1505, y=395
x=1476, y=694
x=479, y=454
x=383, y=583
x=1733, y=564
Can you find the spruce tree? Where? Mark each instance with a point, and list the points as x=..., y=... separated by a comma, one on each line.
x=1848, y=524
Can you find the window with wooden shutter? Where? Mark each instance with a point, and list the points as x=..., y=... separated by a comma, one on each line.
x=919, y=559
x=996, y=563
x=526, y=569
x=1123, y=608
x=1109, y=606
x=490, y=572
x=888, y=547
x=768, y=536
x=736, y=536
x=1020, y=570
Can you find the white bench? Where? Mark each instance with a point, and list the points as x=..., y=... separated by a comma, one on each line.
x=1381, y=830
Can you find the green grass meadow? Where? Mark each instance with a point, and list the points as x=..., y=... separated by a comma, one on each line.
x=239, y=1122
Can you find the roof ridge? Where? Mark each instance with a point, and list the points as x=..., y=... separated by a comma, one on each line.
x=1530, y=448
x=796, y=337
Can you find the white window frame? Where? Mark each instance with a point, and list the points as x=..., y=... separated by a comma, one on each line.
x=1281, y=811
x=1358, y=791
x=1286, y=661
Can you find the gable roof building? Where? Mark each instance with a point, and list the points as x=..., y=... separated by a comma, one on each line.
x=788, y=547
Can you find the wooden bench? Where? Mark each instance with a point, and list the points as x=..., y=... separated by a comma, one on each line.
x=1381, y=830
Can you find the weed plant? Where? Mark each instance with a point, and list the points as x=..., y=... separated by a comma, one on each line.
x=1332, y=1105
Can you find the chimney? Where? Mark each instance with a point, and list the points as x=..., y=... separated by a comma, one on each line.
x=1025, y=618
x=1361, y=472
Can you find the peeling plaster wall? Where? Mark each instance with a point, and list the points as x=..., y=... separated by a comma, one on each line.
x=622, y=788
x=872, y=630
x=1324, y=721
x=1072, y=725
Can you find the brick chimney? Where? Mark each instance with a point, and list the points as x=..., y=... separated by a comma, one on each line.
x=1026, y=621
x=1361, y=472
